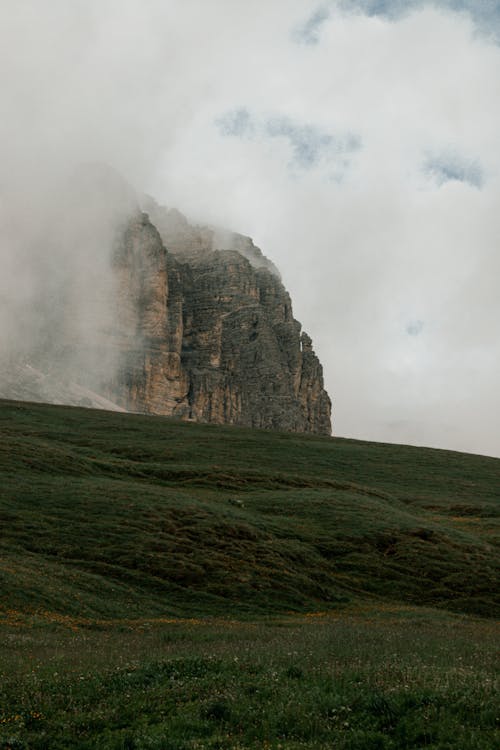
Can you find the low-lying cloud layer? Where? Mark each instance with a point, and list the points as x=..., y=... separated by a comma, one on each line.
x=357, y=142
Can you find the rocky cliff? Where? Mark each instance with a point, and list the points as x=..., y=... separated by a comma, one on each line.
x=199, y=326
x=208, y=334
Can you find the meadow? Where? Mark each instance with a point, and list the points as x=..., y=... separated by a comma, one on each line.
x=180, y=586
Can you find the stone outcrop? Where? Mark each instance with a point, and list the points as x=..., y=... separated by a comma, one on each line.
x=208, y=334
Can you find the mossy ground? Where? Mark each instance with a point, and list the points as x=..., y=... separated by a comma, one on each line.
x=162, y=585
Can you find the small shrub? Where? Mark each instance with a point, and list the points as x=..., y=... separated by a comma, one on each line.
x=294, y=672
x=219, y=710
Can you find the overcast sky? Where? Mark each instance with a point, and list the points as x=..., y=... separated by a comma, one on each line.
x=356, y=141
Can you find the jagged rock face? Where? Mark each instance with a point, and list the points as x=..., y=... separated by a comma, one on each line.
x=208, y=335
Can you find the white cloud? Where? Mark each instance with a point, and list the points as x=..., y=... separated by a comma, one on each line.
x=145, y=85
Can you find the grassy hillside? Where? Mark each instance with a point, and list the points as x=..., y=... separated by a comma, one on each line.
x=107, y=515
x=172, y=586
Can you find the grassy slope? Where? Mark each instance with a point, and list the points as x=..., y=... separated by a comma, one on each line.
x=107, y=515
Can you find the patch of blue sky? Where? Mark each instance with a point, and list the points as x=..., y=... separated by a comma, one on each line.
x=415, y=327
x=479, y=9
x=450, y=166
x=484, y=13
x=309, y=144
x=309, y=31
x=388, y=8
x=237, y=122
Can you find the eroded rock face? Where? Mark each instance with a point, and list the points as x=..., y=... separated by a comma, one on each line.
x=208, y=334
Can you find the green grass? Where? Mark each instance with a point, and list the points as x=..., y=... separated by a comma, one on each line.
x=396, y=679
x=175, y=586
x=112, y=515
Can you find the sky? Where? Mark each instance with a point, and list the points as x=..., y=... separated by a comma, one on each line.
x=356, y=141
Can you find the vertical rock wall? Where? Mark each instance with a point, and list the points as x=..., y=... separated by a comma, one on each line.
x=208, y=334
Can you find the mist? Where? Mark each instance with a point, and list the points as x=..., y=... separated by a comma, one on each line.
x=358, y=149
x=57, y=291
